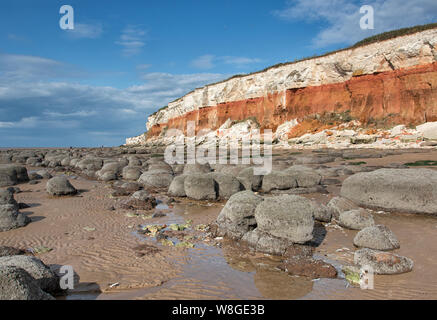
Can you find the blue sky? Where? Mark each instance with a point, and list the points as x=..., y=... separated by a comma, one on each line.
x=96, y=85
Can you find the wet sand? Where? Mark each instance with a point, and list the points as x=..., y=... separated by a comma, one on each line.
x=104, y=249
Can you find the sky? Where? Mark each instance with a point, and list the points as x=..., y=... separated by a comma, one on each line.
x=97, y=83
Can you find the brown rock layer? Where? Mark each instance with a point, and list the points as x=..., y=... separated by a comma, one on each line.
x=403, y=96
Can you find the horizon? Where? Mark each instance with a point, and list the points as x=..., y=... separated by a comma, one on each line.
x=97, y=84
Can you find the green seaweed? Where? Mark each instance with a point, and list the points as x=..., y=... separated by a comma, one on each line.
x=422, y=163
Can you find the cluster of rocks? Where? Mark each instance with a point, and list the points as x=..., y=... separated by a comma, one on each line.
x=280, y=225
x=372, y=240
x=24, y=277
x=354, y=135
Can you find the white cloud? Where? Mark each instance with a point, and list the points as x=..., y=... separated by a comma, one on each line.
x=132, y=40
x=343, y=17
x=204, y=62
x=209, y=61
x=85, y=31
x=81, y=113
x=26, y=68
x=239, y=61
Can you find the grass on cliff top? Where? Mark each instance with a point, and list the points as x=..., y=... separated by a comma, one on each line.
x=376, y=38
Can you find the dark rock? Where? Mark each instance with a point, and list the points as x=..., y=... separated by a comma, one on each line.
x=59, y=186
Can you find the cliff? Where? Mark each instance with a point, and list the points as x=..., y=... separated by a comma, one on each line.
x=390, y=82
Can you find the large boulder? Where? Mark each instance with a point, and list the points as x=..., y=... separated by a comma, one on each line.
x=304, y=176
x=287, y=216
x=404, y=190
x=45, y=278
x=356, y=219
x=383, y=262
x=176, y=188
x=429, y=130
x=227, y=184
x=131, y=173
x=156, y=179
x=238, y=215
x=200, y=187
x=60, y=186
x=377, y=237
x=278, y=180
x=11, y=174
x=110, y=171
x=89, y=163
x=17, y=284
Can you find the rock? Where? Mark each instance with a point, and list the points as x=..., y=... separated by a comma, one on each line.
x=142, y=195
x=161, y=166
x=227, y=184
x=44, y=173
x=321, y=213
x=7, y=197
x=92, y=164
x=14, y=190
x=131, y=173
x=397, y=130
x=428, y=144
x=130, y=186
x=337, y=205
x=404, y=190
x=34, y=176
x=45, y=278
x=377, y=237
x=139, y=200
x=18, y=284
x=356, y=219
x=238, y=215
x=428, y=130
x=267, y=243
x=10, y=251
x=10, y=218
x=196, y=168
x=107, y=176
x=134, y=161
x=200, y=187
x=11, y=174
x=60, y=186
x=249, y=180
x=278, y=180
x=156, y=179
x=286, y=216
x=383, y=262
x=308, y=267
x=363, y=139
x=177, y=188
x=305, y=177
x=110, y=171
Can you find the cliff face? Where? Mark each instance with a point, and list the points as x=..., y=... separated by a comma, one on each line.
x=394, y=81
